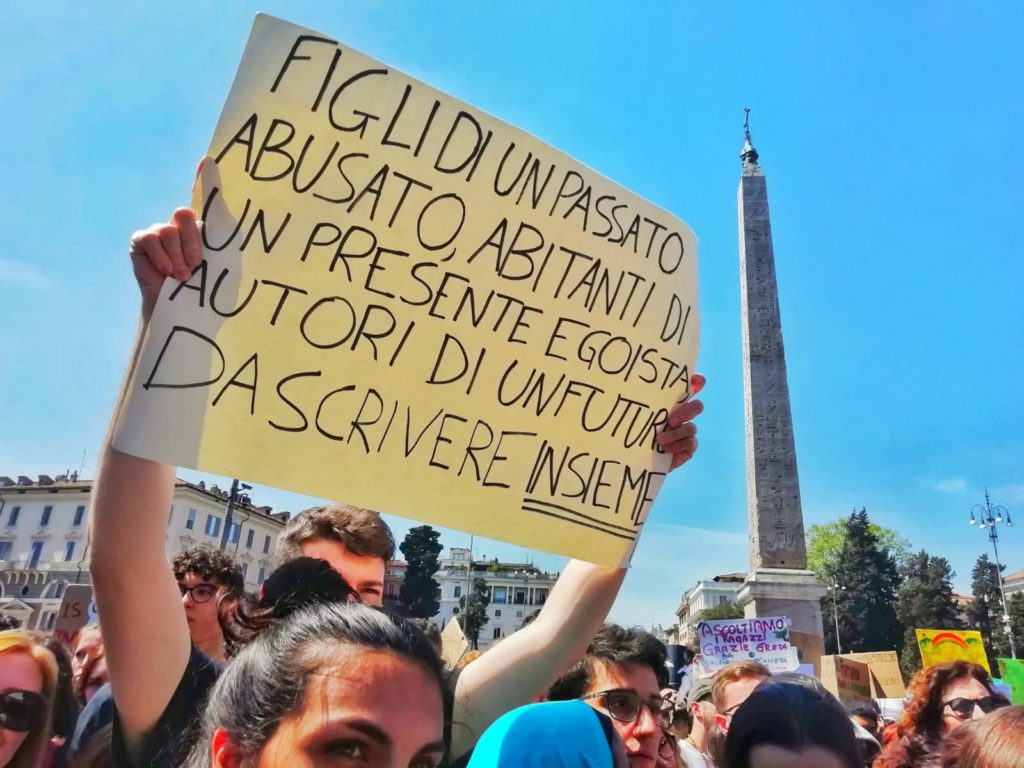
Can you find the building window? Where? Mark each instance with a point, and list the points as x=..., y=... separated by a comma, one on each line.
x=13, y=519
x=540, y=596
x=49, y=619
x=500, y=595
x=5, y=549
x=722, y=599
x=245, y=571
x=497, y=614
x=35, y=554
x=69, y=551
x=190, y=521
x=497, y=633
x=458, y=591
x=233, y=532
x=263, y=573
x=520, y=598
x=45, y=519
x=519, y=614
x=249, y=537
x=266, y=544
x=80, y=514
x=212, y=525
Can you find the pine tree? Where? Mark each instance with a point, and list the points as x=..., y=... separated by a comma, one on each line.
x=825, y=542
x=420, y=592
x=925, y=602
x=473, y=617
x=986, y=615
x=868, y=579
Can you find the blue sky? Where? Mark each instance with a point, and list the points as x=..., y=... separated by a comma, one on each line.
x=890, y=135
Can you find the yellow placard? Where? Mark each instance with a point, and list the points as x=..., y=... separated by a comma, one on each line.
x=886, y=676
x=411, y=306
x=942, y=645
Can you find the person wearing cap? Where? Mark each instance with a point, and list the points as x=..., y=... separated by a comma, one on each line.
x=694, y=748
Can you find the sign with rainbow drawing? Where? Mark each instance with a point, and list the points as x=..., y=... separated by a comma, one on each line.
x=941, y=645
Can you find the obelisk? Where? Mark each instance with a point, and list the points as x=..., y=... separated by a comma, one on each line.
x=779, y=583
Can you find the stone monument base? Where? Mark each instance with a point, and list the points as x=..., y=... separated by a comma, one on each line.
x=795, y=594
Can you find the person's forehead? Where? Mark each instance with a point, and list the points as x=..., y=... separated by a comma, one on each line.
x=964, y=687
x=739, y=691
x=191, y=578
x=637, y=677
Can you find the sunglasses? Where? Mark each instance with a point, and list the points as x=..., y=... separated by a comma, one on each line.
x=624, y=705
x=201, y=593
x=22, y=710
x=964, y=708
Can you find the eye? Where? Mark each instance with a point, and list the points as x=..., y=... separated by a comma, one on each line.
x=425, y=762
x=347, y=748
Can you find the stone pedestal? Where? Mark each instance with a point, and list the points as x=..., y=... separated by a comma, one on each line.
x=784, y=592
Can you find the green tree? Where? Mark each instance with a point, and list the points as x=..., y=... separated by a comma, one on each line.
x=925, y=601
x=868, y=578
x=723, y=611
x=1016, y=601
x=825, y=542
x=473, y=617
x=986, y=615
x=420, y=592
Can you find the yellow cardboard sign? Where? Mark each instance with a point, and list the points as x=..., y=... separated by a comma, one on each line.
x=886, y=676
x=411, y=306
x=942, y=645
x=846, y=678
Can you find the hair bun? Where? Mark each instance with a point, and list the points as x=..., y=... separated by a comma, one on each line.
x=302, y=582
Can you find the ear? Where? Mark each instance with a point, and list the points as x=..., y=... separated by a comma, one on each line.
x=225, y=751
x=722, y=723
x=697, y=711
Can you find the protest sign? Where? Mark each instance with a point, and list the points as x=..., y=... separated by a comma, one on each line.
x=845, y=678
x=453, y=643
x=884, y=669
x=941, y=645
x=75, y=612
x=765, y=640
x=1012, y=673
x=411, y=306
x=809, y=648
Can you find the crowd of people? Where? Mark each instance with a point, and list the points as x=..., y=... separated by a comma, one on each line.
x=185, y=669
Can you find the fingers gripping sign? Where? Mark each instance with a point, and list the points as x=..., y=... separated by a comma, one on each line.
x=170, y=249
x=679, y=436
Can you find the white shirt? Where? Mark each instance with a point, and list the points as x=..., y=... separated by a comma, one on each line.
x=693, y=757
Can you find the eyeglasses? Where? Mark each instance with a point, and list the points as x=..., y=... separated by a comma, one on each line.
x=668, y=746
x=201, y=593
x=22, y=710
x=624, y=705
x=964, y=708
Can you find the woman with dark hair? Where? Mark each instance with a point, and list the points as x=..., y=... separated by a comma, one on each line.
x=996, y=741
x=331, y=682
x=788, y=724
x=942, y=698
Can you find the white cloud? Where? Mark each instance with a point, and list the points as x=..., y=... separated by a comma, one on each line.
x=951, y=485
x=22, y=275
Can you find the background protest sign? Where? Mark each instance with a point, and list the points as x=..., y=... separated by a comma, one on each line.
x=1012, y=673
x=764, y=639
x=941, y=645
x=884, y=669
x=411, y=306
x=76, y=610
x=845, y=678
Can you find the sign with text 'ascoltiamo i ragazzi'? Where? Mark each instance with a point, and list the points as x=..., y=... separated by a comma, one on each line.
x=411, y=306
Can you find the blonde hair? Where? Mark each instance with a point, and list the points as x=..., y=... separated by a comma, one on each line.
x=30, y=753
x=733, y=673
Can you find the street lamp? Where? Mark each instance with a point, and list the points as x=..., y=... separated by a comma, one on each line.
x=236, y=485
x=987, y=518
x=835, y=588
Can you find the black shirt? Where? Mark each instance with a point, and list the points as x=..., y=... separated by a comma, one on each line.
x=168, y=743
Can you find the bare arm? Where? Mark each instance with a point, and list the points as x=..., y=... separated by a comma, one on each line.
x=524, y=665
x=144, y=629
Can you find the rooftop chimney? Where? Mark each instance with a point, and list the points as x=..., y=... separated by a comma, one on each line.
x=45, y=480
x=22, y=480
